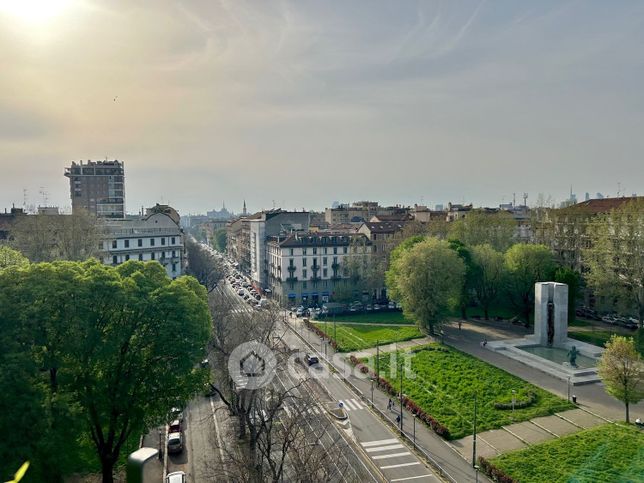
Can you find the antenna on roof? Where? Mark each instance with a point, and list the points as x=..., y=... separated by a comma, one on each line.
x=525, y=199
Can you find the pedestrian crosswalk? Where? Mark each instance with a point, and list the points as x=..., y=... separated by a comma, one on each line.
x=351, y=404
x=390, y=454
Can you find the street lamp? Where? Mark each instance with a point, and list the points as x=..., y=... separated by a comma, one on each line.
x=474, y=436
x=372, y=392
x=568, y=387
x=477, y=468
x=401, y=398
x=415, y=416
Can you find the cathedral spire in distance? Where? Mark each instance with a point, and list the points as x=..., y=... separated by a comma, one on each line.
x=244, y=209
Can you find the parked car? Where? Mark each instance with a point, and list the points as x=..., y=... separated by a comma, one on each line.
x=609, y=319
x=299, y=312
x=175, y=443
x=176, y=477
x=391, y=305
x=176, y=413
x=175, y=426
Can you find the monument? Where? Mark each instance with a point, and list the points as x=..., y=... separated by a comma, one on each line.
x=549, y=349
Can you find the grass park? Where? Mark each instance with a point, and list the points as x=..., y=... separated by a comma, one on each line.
x=374, y=317
x=611, y=452
x=445, y=383
x=354, y=337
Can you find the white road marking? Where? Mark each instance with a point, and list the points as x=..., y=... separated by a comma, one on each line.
x=399, y=466
x=412, y=477
x=384, y=448
x=379, y=442
x=385, y=456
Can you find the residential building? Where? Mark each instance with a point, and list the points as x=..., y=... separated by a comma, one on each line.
x=155, y=236
x=7, y=220
x=307, y=268
x=360, y=211
x=456, y=211
x=423, y=214
x=98, y=187
x=384, y=237
x=266, y=224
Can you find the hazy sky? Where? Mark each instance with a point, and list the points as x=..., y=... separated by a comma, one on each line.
x=305, y=102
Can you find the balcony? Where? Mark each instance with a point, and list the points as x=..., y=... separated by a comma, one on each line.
x=335, y=266
x=291, y=280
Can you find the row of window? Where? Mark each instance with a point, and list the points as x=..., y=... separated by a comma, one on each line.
x=115, y=260
x=139, y=242
x=324, y=250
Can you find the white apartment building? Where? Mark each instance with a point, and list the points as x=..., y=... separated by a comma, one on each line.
x=156, y=236
x=306, y=268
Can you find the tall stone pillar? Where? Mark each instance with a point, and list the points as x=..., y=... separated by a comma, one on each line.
x=551, y=313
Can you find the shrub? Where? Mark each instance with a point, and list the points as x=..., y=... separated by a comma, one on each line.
x=495, y=473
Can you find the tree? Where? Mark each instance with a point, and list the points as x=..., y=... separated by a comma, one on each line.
x=621, y=370
x=203, y=265
x=11, y=258
x=526, y=265
x=477, y=228
x=120, y=343
x=427, y=278
x=615, y=258
x=45, y=238
x=220, y=240
x=488, y=278
x=572, y=278
x=470, y=273
x=392, y=273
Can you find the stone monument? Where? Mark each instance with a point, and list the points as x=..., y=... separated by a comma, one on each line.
x=551, y=314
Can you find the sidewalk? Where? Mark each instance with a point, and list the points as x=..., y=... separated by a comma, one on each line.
x=590, y=397
x=426, y=440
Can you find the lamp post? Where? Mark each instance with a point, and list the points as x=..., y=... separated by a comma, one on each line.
x=474, y=438
x=372, y=392
x=568, y=387
x=415, y=415
x=477, y=468
x=401, y=399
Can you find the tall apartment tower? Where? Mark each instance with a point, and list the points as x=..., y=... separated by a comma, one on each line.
x=98, y=187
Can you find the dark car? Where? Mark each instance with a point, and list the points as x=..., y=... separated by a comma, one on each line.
x=175, y=443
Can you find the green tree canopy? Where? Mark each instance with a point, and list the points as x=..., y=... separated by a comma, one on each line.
x=526, y=265
x=477, y=228
x=615, y=258
x=488, y=275
x=118, y=343
x=220, y=240
x=11, y=258
x=622, y=372
x=470, y=274
x=427, y=277
x=572, y=278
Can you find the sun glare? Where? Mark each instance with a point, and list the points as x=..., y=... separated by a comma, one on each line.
x=36, y=12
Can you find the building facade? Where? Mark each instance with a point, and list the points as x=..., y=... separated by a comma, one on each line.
x=155, y=236
x=98, y=187
x=307, y=268
x=360, y=211
x=267, y=224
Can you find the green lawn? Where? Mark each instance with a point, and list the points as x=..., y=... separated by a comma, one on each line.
x=606, y=453
x=393, y=317
x=357, y=337
x=445, y=382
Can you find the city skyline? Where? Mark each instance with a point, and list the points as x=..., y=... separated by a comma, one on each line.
x=306, y=103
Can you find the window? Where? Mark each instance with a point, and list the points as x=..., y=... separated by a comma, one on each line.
x=304, y=273
x=163, y=241
x=152, y=256
x=375, y=248
x=114, y=243
x=335, y=250
x=374, y=237
x=173, y=242
x=290, y=262
x=315, y=251
x=151, y=242
x=303, y=251
x=304, y=285
x=100, y=245
x=127, y=257
x=174, y=267
x=140, y=242
x=127, y=243
x=114, y=260
x=325, y=272
x=174, y=253
x=140, y=255
x=304, y=262
x=324, y=260
x=344, y=250
x=290, y=251
x=325, y=250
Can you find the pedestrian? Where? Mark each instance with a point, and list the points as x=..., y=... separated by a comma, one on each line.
x=398, y=419
x=390, y=404
x=484, y=341
x=460, y=322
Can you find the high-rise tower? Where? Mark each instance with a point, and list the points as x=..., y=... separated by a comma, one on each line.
x=98, y=187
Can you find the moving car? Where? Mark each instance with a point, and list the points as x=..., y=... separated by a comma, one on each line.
x=311, y=360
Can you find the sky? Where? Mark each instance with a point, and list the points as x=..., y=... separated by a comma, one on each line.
x=296, y=104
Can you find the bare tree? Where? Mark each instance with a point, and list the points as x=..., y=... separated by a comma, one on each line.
x=203, y=265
